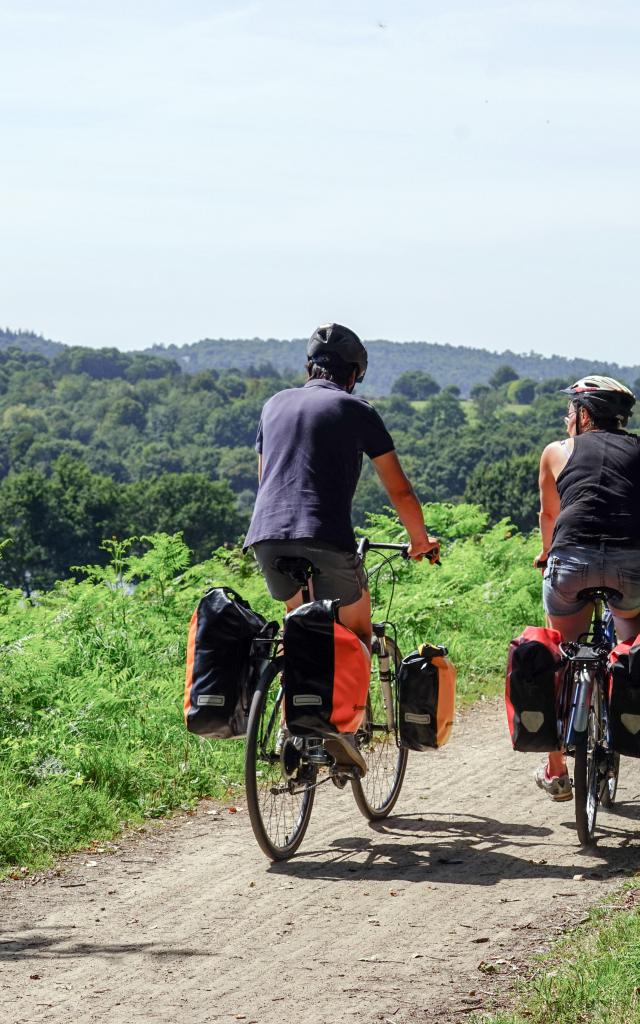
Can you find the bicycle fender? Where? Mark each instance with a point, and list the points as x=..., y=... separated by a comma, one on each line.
x=580, y=706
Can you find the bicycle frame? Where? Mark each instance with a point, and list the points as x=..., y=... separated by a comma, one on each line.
x=584, y=719
x=585, y=670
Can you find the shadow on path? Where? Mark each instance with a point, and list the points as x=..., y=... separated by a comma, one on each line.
x=451, y=848
x=34, y=945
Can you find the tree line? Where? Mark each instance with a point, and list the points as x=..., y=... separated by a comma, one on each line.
x=101, y=443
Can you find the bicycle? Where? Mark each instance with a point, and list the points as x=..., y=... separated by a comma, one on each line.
x=283, y=772
x=584, y=715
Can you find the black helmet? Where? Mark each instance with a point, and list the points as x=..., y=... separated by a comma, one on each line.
x=604, y=397
x=335, y=340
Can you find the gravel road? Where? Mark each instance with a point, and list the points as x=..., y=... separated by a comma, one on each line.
x=423, y=917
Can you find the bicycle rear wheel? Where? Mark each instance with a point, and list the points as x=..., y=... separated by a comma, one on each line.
x=586, y=778
x=279, y=798
x=377, y=792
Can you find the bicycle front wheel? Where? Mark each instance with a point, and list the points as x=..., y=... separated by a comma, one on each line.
x=610, y=785
x=377, y=792
x=280, y=788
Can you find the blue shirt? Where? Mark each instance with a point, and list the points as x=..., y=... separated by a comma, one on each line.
x=312, y=440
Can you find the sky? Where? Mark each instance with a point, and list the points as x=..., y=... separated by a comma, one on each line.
x=455, y=172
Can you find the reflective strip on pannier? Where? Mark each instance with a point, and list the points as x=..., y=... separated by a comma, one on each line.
x=426, y=698
x=533, y=688
x=326, y=672
x=219, y=678
x=624, y=697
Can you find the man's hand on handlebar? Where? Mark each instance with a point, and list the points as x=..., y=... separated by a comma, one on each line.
x=426, y=547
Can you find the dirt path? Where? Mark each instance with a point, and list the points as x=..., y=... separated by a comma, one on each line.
x=412, y=920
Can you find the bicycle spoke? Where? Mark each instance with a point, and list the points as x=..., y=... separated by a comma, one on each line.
x=279, y=808
x=378, y=791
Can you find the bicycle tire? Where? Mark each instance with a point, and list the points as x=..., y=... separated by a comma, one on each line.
x=377, y=792
x=586, y=783
x=610, y=784
x=279, y=808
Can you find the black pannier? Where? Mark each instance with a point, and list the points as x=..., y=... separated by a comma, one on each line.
x=624, y=697
x=426, y=698
x=220, y=679
x=535, y=673
x=326, y=672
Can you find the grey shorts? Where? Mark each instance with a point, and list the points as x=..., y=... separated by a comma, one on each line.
x=339, y=574
x=570, y=570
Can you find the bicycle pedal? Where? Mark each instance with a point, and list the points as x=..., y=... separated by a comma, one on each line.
x=290, y=758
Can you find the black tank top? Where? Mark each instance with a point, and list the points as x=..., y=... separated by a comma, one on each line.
x=599, y=492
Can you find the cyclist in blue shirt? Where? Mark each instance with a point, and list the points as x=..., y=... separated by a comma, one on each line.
x=310, y=445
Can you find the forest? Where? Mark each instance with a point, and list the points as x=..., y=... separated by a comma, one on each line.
x=451, y=365
x=100, y=444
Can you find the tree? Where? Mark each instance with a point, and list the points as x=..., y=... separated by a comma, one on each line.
x=551, y=385
x=54, y=523
x=415, y=385
x=522, y=392
x=503, y=375
x=487, y=400
x=235, y=424
x=508, y=488
x=239, y=467
x=202, y=509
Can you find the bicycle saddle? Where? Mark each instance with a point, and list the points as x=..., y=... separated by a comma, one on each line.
x=597, y=593
x=300, y=570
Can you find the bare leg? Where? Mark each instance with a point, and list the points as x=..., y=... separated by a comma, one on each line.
x=357, y=617
x=572, y=626
x=627, y=624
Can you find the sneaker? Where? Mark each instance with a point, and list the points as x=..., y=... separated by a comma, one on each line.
x=558, y=788
x=342, y=748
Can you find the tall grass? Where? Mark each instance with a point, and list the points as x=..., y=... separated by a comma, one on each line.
x=91, y=728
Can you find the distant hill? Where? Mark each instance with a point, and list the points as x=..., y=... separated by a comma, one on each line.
x=448, y=364
x=30, y=342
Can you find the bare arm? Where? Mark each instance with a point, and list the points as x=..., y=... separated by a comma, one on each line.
x=551, y=462
x=406, y=504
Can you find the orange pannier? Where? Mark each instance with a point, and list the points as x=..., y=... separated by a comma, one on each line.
x=426, y=698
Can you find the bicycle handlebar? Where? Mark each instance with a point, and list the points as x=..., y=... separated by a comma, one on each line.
x=365, y=545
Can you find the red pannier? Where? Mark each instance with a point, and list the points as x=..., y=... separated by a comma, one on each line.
x=326, y=672
x=624, y=697
x=533, y=687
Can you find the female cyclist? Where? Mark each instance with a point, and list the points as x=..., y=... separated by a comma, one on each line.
x=590, y=524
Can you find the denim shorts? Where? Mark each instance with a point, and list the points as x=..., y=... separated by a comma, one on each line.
x=570, y=570
x=339, y=574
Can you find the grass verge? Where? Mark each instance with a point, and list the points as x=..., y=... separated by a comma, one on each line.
x=590, y=977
